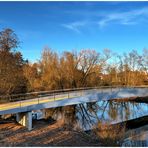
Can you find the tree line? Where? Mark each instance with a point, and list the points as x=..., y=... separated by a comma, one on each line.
x=84, y=68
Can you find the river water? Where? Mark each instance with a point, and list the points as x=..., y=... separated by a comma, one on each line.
x=87, y=116
x=111, y=112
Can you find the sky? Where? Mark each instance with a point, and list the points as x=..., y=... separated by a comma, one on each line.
x=118, y=26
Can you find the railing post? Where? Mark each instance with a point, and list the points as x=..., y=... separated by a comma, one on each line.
x=20, y=102
x=68, y=95
x=54, y=95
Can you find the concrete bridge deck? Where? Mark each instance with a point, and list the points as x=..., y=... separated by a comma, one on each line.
x=71, y=98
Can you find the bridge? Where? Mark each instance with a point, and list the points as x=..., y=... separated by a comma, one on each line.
x=23, y=104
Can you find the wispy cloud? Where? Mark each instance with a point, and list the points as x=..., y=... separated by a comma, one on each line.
x=124, y=18
x=103, y=19
x=75, y=26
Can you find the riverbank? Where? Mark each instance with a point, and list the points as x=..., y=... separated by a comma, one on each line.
x=52, y=133
x=43, y=134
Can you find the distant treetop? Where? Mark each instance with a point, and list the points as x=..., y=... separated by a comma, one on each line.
x=8, y=40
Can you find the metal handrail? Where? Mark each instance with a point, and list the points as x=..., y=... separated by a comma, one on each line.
x=32, y=95
x=56, y=91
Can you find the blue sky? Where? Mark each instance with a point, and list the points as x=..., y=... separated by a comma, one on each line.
x=119, y=26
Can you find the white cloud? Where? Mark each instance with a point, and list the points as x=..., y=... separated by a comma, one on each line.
x=124, y=18
x=75, y=26
x=131, y=17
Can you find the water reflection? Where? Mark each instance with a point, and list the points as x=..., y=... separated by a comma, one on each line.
x=111, y=112
x=89, y=114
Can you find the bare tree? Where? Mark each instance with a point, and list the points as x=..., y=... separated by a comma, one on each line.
x=11, y=62
x=8, y=40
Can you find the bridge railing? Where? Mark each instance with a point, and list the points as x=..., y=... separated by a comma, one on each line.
x=32, y=95
x=54, y=93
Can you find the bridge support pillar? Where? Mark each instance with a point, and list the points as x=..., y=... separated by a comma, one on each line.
x=25, y=119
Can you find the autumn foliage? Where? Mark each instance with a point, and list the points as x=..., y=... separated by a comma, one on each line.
x=86, y=68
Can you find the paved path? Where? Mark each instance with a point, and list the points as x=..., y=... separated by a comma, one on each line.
x=71, y=98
